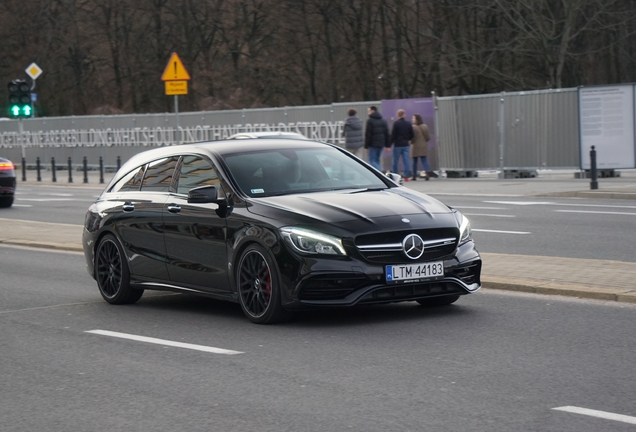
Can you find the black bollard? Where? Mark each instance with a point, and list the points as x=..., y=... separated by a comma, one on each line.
x=85, y=170
x=118, y=163
x=70, y=170
x=101, y=170
x=593, y=173
x=23, y=169
x=54, y=172
x=38, y=167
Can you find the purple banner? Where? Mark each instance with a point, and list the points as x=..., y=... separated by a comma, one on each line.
x=421, y=106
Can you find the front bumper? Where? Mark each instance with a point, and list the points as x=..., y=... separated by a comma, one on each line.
x=328, y=282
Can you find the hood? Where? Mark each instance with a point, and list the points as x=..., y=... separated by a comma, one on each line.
x=366, y=208
x=375, y=115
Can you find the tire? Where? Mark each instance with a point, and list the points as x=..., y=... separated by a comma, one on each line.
x=438, y=301
x=6, y=202
x=258, y=287
x=112, y=273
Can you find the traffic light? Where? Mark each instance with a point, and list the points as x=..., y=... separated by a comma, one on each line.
x=19, y=99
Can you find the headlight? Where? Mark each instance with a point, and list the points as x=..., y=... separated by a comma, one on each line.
x=312, y=242
x=464, y=228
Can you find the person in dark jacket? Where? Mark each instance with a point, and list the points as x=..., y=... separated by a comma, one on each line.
x=401, y=135
x=352, y=132
x=376, y=137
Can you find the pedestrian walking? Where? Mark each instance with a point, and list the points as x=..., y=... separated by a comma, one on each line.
x=401, y=135
x=376, y=137
x=353, y=135
x=419, y=146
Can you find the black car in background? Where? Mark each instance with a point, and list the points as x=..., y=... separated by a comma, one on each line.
x=277, y=226
x=7, y=182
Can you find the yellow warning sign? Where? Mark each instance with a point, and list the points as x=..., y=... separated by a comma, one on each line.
x=175, y=71
x=176, y=88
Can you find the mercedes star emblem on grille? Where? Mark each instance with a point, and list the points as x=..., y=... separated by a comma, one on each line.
x=413, y=246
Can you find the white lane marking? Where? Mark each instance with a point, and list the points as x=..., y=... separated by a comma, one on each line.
x=595, y=212
x=22, y=205
x=500, y=232
x=486, y=214
x=600, y=414
x=164, y=342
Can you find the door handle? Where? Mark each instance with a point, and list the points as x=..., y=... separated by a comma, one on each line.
x=128, y=207
x=174, y=208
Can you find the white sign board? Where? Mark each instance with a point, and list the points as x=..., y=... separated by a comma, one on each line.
x=33, y=71
x=606, y=118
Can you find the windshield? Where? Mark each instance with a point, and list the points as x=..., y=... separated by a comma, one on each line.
x=291, y=171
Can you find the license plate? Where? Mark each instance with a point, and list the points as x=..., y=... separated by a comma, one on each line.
x=410, y=273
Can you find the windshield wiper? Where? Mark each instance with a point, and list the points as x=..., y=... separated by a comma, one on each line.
x=370, y=189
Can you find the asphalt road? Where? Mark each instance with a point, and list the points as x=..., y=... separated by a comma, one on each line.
x=492, y=362
x=562, y=227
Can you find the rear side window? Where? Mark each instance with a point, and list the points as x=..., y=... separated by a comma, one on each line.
x=195, y=172
x=131, y=181
x=159, y=175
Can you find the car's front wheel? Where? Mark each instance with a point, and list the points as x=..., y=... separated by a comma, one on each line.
x=259, y=288
x=112, y=273
x=438, y=301
x=6, y=202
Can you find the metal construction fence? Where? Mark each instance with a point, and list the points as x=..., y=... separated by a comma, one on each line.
x=520, y=130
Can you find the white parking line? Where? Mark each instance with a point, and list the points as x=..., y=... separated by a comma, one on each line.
x=599, y=414
x=164, y=342
x=501, y=232
x=22, y=205
x=595, y=212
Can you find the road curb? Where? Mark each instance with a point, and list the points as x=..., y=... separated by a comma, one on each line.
x=43, y=245
x=618, y=295
x=590, y=194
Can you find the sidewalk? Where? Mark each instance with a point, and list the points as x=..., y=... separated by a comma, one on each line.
x=585, y=278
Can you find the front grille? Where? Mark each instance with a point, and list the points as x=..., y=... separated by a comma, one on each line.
x=386, y=248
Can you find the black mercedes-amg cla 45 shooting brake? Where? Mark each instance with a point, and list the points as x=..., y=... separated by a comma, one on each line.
x=277, y=226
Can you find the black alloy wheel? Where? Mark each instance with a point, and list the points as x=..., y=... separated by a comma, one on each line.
x=258, y=287
x=438, y=301
x=112, y=274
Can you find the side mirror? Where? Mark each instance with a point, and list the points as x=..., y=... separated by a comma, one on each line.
x=203, y=195
x=397, y=179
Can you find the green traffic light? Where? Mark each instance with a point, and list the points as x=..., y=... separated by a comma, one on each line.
x=21, y=110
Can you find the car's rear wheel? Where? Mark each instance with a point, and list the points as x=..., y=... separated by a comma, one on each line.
x=112, y=273
x=259, y=287
x=6, y=202
x=438, y=301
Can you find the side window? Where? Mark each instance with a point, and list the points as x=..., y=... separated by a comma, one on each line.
x=159, y=175
x=131, y=181
x=195, y=172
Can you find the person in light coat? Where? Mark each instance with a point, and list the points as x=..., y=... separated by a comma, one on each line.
x=419, y=145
